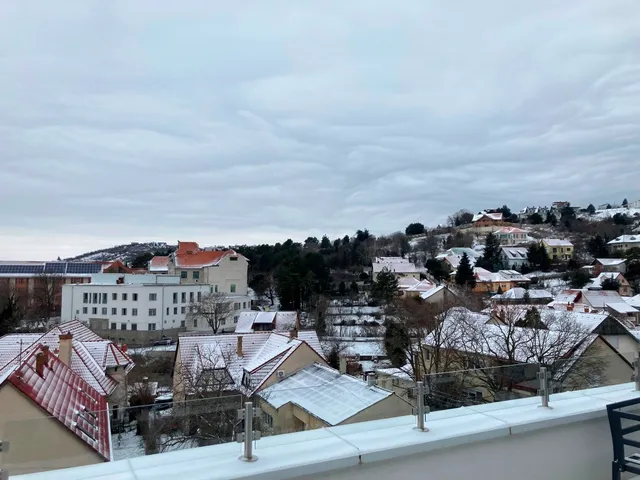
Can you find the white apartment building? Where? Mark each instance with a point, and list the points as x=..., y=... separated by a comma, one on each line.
x=137, y=309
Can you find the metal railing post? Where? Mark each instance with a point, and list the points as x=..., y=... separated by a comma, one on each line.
x=636, y=365
x=420, y=409
x=249, y=435
x=543, y=375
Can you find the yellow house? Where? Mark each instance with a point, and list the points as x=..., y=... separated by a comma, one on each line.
x=319, y=396
x=558, y=249
x=50, y=416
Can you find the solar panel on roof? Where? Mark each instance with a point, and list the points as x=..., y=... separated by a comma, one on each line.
x=83, y=267
x=21, y=269
x=55, y=267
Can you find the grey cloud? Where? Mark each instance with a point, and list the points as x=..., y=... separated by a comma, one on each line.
x=139, y=120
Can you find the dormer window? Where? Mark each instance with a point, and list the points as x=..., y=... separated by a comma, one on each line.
x=233, y=259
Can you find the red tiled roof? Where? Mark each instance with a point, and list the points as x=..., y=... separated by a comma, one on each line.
x=189, y=254
x=159, y=261
x=186, y=247
x=65, y=396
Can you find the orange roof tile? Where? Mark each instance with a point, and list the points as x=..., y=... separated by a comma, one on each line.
x=186, y=247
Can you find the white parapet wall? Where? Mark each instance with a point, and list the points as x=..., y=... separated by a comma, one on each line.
x=500, y=441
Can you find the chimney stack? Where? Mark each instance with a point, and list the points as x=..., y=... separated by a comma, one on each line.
x=343, y=365
x=371, y=380
x=239, y=349
x=586, y=309
x=65, y=348
x=40, y=364
x=45, y=351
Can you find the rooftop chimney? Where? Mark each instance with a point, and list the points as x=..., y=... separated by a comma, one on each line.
x=343, y=365
x=371, y=380
x=239, y=349
x=45, y=351
x=586, y=309
x=65, y=348
x=40, y=364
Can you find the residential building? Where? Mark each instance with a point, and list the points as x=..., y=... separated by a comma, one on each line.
x=140, y=309
x=225, y=268
x=100, y=363
x=626, y=313
x=557, y=249
x=459, y=251
x=159, y=264
x=624, y=242
x=441, y=295
x=50, y=417
x=598, y=299
x=412, y=287
x=519, y=295
x=565, y=299
x=317, y=396
x=486, y=219
x=624, y=288
x=609, y=265
x=633, y=301
x=249, y=362
x=361, y=355
x=41, y=282
x=512, y=236
x=250, y=322
x=398, y=380
x=454, y=261
x=501, y=281
x=399, y=266
x=513, y=258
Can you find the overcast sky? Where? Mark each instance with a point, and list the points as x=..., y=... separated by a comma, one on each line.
x=244, y=122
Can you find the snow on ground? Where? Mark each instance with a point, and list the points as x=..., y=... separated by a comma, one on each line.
x=127, y=445
x=158, y=348
x=553, y=285
x=604, y=214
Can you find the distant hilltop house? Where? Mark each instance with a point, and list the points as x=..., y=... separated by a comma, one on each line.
x=512, y=236
x=501, y=281
x=609, y=265
x=486, y=220
x=513, y=257
x=399, y=266
x=624, y=289
x=624, y=242
x=558, y=249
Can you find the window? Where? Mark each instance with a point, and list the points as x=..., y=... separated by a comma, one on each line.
x=199, y=296
x=175, y=297
x=114, y=296
x=233, y=288
x=244, y=304
x=223, y=321
x=113, y=326
x=167, y=310
x=123, y=326
x=191, y=296
x=134, y=312
x=183, y=309
x=85, y=297
x=124, y=297
x=235, y=319
x=267, y=419
x=104, y=310
x=95, y=298
x=152, y=326
x=153, y=297
x=182, y=323
x=104, y=298
x=233, y=259
x=134, y=297
x=215, y=288
x=114, y=311
x=94, y=310
x=124, y=311
x=196, y=275
x=184, y=297
x=195, y=323
x=183, y=274
x=134, y=326
x=152, y=313
x=175, y=310
x=84, y=310
x=236, y=306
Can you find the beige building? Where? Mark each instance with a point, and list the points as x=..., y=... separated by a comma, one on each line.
x=318, y=396
x=624, y=242
x=207, y=365
x=399, y=266
x=50, y=417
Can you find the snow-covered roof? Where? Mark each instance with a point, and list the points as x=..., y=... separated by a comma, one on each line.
x=394, y=264
x=622, y=307
x=492, y=216
x=599, y=298
x=431, y=292
x=633, y=301
x=509, y=231
x=610, y=261
x=65, y=396
x=596, y=283
x=454, y=260
x=281, y=321
x=515, y=253
x=411, y=284
x=625, y=239
x=567, y=297
x=404, y=373
x=262, y=354
x=159, y=263
x=471, y=253
x=483, y=275
x=518, y=293
x=324, y=393
x=365, y=347
x=556, y=242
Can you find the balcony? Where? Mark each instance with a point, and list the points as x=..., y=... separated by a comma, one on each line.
x=504, y=440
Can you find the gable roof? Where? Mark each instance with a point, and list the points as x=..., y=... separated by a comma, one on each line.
x=509, y=230
x=633, y=301
x=190, y=255
x=599, y=298
x=625, y=239
x=556, y=242
x=324, y=393
x=493, y=216
x=518, y=293
x=596, y=283
x=159, y=263
x=263, y=353
x=282, y=321
x=515, y=253
x=65, y=396
x=610, y=261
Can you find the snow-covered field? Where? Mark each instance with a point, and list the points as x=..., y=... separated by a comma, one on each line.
x=604, y=214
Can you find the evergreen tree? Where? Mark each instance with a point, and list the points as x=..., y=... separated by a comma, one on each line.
x=414, y=229
x=531, y=319
x=325, y=243
x=625, y=203
x=538, y=258
x=535, y=219
x=342, y=289
x=526, y=297
x=490, y=259
x=579, y=279
x=551, y=219
x=438, y=269
x=591, y=209
x=385, y=288
x=354, y=288
x=464, y=274
x=597, y=246
x=396, y=344
x=610, y=284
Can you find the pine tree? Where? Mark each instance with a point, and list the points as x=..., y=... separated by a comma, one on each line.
x=325, y=243
x=591, y=209
x=490, y=259
x=526, y=298
x=385, y=288
x=464, y=274
x=625, y=203
x=396, y=344
x=354, y=288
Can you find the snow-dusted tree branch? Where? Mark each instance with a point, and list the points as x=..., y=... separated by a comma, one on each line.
x=213, y=308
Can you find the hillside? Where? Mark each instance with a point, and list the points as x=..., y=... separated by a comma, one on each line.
x=125, y=253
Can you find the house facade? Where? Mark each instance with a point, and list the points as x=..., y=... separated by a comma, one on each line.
x=498, y=282
x=512, y=236
x=399, y=266
x=624, y=242
x=513, y=258
x=624, y=288
x=558, y=249
x=618, y=265
x=486, y=221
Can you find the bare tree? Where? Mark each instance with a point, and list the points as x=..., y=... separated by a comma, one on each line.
x=45, y=300
x=10, y=309
x=214, y=308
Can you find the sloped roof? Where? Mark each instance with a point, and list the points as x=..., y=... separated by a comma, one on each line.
x=556, y=242
x=567, y=296
x=190, y=255
x=324, y=393
x=596, y=283
x=283, y=321
x=599, y=298
x=492, y=216
x=623, y=307
x=159, y=263
x=518, y=293
x=65, y=396
x=393, y=265
x=431, y=292
x=610, y=261
x=515, y=253
x=633, y=301
x=625, y=239
x=510, y=230
x=262, y=352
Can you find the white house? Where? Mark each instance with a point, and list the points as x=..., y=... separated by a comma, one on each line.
x=513, y=257
x=137, y=309
x=400, y=266
x=624, y=242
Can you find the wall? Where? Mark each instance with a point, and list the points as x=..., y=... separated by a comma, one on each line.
x=303, y=356
x=37, y=441
x=392, y=406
